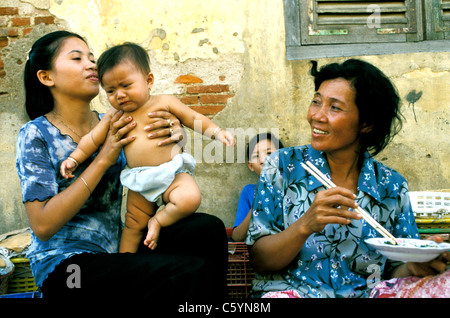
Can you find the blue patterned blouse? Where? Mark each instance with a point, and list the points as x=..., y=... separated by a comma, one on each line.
x=335, y=262
x=96, y=228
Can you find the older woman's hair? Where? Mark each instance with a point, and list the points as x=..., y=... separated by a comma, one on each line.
x=375, y=96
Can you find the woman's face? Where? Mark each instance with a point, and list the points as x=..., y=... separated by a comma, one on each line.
x=334, y=118
x=74, y=72
x=262, y=150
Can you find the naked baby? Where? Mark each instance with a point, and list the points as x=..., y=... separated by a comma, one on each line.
x=155, y=175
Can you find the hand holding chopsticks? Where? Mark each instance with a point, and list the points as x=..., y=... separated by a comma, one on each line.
x=366, y=216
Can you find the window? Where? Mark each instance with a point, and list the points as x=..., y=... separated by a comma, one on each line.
x=438, y=14
x=330, y=28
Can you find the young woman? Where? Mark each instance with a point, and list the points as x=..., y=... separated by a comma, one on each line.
x=76, y=223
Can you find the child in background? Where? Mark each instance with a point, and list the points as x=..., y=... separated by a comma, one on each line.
x=155, y=175
x=258, y=148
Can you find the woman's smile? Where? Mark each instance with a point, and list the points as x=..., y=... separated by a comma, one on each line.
x=319, y=132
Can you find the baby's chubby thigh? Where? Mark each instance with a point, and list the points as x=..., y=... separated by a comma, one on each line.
x=184, y=193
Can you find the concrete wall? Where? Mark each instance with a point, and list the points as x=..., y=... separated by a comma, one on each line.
x=227, y=60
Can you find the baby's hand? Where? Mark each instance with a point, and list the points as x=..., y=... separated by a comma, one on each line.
x=110, y=113
x=68, y=166
x=227, y=138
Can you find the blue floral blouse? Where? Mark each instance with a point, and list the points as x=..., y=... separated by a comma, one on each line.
x=335, y=262
x=96, y=228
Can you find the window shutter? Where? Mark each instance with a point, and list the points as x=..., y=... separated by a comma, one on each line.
x=438, y=13
x=357, y=21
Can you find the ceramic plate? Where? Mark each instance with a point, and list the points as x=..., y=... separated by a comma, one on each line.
x=408, y=250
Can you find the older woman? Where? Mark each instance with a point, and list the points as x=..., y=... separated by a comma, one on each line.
x=309, y=242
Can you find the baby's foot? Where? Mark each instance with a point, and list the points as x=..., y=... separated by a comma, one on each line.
x=151, y=239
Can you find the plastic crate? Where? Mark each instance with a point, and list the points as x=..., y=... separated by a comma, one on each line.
x=240, y=273
x=431, y=211
x=430, y=204
x=22, y=280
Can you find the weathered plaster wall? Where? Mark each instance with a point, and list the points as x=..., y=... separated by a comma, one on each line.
x=238, y=47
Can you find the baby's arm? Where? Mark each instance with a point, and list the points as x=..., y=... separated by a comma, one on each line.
x=87, y=145
x=225, y=136
x=199, y=122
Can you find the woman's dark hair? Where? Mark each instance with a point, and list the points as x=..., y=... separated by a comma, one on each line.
x=260, y=137
x=38, y=99
x=117, y=54
x=375, y=96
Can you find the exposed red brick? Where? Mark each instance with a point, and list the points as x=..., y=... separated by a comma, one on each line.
x=208, y=89
x=222, y=77
x=208, y=110
x=9, y=11
x=46, y=20
x=12, y=32
x=25, y=31
x=20, y=21
x=214, y=99
x=188, y=79
x=189, y=100
x=3, y=42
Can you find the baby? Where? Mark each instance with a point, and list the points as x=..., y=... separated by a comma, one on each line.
x=155, y=175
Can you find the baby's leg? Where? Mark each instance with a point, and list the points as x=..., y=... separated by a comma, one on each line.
x=182, y=199
x=139, y=211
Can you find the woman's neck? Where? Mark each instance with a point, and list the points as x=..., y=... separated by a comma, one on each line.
x=344, y=170
x=75, y=119
x=74, y=109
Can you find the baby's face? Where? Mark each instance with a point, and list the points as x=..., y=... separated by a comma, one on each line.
x=127, y=88
x=262, y=150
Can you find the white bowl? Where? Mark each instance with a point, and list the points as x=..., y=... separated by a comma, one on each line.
x=408, y=250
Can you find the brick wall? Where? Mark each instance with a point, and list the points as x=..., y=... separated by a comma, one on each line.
x=205, y=99
x=16, y=22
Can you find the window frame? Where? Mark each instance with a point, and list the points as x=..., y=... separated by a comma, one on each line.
x=296, y=51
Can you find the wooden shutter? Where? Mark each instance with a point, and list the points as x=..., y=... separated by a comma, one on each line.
x=357, y=21
x=438, y=19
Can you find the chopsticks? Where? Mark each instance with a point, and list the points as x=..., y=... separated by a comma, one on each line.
x=366, y=216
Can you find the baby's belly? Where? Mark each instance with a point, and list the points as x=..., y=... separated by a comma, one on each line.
x=146, y=152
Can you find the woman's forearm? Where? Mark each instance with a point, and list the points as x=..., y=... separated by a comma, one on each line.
x=48, y=217
x=274, y=252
